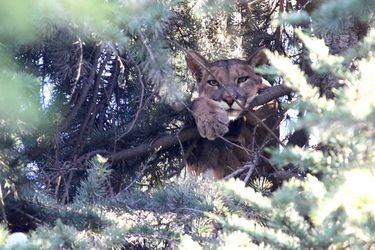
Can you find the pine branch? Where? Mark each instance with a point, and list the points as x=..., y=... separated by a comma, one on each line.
x=191, y=133
x=85, y=90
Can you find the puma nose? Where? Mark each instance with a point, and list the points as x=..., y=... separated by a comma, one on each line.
x=229, y=99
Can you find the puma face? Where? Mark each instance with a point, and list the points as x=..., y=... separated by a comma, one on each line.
x=231, y=83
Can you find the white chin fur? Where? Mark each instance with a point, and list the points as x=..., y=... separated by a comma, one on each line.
x=233, y=115
x=223, y=105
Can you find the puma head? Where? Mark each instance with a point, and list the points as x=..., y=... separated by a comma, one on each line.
x=232, y=83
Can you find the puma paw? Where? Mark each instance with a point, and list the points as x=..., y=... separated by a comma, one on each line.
x=212, y=122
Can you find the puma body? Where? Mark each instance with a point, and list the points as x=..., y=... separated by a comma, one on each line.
x=225, y=89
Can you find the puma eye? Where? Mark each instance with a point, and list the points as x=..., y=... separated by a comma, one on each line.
x=242, y=79
x=213, y=83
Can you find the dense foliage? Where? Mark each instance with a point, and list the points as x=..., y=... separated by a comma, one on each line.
x=84, y=83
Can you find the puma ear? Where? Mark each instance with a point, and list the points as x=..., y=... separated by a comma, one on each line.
x=258, y=58
x=196, y=63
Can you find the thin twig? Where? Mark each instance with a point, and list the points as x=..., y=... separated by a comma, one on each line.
x=140, y=105
x=84, y=91
x=80, y=142
x=143, y=40
x=2, y=204
x=57, y=188
x=235, y=144
x=267, y=128
x=144, y=167
x=252, y=166
x=237, y=172
x=79, y=70
x=65, y=198
x=40, y=222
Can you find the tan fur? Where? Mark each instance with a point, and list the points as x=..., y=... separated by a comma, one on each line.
x=225, y=87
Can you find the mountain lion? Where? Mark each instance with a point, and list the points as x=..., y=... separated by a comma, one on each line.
x=225, y=87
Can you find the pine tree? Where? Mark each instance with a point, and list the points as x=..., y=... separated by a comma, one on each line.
x=93, y=94
x=331, y=206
